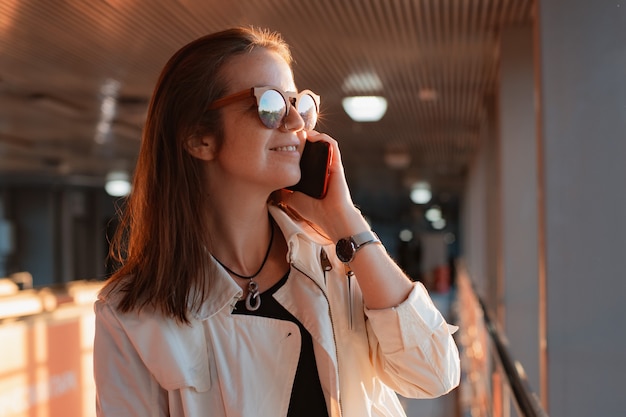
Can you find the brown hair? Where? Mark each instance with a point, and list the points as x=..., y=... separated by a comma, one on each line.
x=162, y=238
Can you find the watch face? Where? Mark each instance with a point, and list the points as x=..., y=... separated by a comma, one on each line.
x=345, y=250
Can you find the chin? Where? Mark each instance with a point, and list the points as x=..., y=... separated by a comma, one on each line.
x=293, y=177
x=285, y=178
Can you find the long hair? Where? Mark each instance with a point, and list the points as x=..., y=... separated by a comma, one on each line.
x=162, y=237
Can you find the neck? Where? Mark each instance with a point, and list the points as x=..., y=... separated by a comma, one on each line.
x=240, y=240
x=263, y=262
x=238, y=220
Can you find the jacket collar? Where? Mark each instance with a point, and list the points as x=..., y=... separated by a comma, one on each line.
x=304, y=245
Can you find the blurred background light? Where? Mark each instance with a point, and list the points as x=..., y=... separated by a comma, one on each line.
x=433, y=214
x=420, y=193
x=439, y=224
x=406, y=235
x=365, y=108
x=117, y=184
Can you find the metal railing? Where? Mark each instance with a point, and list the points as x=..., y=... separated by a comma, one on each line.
x=494, y=384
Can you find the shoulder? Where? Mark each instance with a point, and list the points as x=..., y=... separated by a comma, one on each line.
x=113, y=290
x=113, y=302
x=174, y=353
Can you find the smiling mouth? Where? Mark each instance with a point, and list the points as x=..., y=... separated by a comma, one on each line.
x=290, y=148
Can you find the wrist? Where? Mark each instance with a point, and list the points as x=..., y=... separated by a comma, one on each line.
x=350, y=222
x=346, y=248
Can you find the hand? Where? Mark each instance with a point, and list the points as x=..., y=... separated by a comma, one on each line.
x=335, y=213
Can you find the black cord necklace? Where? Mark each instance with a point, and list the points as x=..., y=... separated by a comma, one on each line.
x=253, y=299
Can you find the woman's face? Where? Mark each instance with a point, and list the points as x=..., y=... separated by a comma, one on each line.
x=254, y=159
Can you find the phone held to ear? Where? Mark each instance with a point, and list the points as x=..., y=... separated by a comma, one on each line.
x=315, y=169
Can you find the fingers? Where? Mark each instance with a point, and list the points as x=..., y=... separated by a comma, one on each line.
x=314, y=136
x=336, y=165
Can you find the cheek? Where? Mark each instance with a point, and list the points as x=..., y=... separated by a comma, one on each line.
x=239, y=135
x=242, y=151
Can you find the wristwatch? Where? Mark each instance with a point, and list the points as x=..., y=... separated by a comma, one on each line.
x=347, y=247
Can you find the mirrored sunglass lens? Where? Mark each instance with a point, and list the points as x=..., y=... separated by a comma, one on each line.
x=308, y=111
x=272, y=109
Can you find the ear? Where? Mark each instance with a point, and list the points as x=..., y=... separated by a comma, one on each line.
x=202, y=147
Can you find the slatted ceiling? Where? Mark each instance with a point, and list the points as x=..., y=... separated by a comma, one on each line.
x=65, y=51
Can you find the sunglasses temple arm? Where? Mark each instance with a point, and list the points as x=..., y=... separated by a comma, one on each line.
x=225, y=101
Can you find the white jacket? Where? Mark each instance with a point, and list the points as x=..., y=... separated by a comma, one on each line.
x=234, y=365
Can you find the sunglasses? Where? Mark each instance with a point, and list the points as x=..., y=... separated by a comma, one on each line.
x=273, y=105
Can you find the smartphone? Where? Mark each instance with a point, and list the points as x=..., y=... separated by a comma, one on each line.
x=315, y=169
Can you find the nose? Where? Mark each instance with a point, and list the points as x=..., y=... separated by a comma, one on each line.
x=293, y=121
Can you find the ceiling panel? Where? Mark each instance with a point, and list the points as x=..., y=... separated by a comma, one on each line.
x=434, y=60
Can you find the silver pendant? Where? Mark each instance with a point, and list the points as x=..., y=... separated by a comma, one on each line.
x=253, y=299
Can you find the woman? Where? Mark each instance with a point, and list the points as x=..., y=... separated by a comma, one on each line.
x=228, y=302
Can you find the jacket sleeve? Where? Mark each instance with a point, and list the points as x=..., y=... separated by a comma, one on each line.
x=412, y=347
x=124, y=386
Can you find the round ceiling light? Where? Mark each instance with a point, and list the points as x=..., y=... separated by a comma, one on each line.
x=365, y=108
x=420, y=193
x=117, y=184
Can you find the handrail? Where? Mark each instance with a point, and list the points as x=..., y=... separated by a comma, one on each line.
x=525, y=398
x=478, y=322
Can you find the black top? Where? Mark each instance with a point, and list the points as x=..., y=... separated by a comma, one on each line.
x=307, y=398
